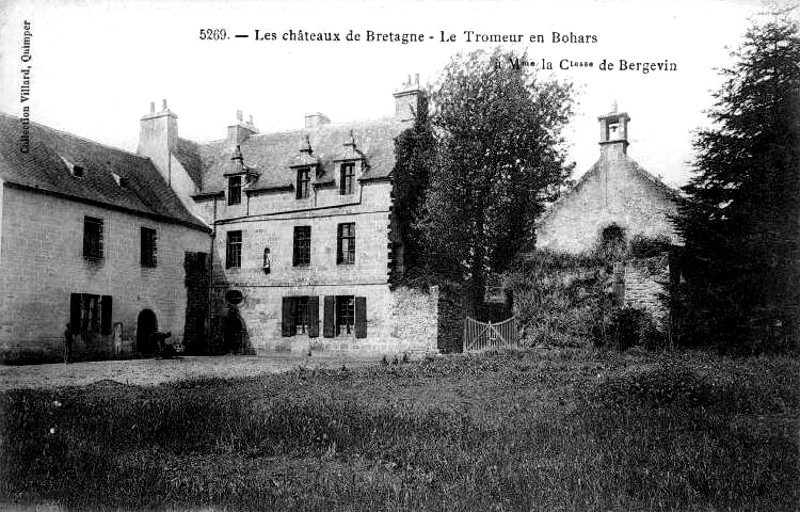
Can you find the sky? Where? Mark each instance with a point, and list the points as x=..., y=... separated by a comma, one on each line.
x=96, y=65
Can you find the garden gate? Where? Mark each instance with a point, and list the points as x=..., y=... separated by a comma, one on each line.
x=484, y=336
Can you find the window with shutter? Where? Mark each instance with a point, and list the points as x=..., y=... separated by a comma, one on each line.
x=345, y=314
x=105, y=314
x=313, y=317
x=328, y=320
x=287, y=321
x=361, y=317
x=75, y=312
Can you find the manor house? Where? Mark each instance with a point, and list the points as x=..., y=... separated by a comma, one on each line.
x=303, y=237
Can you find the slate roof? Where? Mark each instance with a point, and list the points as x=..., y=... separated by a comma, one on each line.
x=271, y=155
x=47, y=168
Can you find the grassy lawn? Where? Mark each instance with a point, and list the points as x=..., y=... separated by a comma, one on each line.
x=546, y=430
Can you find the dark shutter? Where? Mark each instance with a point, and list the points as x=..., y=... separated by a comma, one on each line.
x=287, y=324
x=361, y=317
x=75, y=311
x=313, y=317
x=105, y=314
x=328, y=325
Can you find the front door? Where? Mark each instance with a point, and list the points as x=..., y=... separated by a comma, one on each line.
x=146, y=325
x=232, y=334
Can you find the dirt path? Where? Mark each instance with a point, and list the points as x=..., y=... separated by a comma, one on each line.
x=156, y=371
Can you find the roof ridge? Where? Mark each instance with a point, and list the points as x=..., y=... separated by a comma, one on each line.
x=79, y=137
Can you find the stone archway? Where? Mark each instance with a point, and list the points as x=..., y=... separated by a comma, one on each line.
x=146, y=325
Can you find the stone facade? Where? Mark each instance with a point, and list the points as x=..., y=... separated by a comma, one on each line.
x=270, y=290
x=615, y=191
x=617, y=194
x=44, y=270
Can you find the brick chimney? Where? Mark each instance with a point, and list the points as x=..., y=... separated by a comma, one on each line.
x=614, y=134
x=158, y=136
x=241, y=131
x=410, y=100
x=316, y=119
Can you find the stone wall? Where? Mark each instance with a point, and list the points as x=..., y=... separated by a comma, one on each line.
x=42, y=264
x=613, y=192
x=646, y=280
x=401, y=320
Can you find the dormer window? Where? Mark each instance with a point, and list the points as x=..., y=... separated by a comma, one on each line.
x=347, y=177
x=122, y=181
x=75, y=170
x=303, y=182
x=234, y=190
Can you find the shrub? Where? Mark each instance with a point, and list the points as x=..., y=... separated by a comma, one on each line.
x=631, y=326
x=649, y=246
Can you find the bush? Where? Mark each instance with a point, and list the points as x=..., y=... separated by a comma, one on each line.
x=631, y=326
x=649, y=246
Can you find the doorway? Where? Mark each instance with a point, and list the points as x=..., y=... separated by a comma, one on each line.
x=146, y=325
x=232, y=333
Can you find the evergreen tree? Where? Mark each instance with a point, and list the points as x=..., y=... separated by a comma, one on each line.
x=499, y=159
x=742, y=225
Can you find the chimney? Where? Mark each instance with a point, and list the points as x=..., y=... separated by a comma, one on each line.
x=411, y=101
x=241, y=131
x=316, y=119
x=614, y=134
x=158, y=136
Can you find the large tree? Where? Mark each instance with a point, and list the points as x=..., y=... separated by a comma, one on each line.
x=741, y=227
x=500, y=157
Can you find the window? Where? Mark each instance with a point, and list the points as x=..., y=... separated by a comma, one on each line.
x=233, y=252
x=148, y=247
x=92, y=238
x=345, y=314
x=346, y=244
x=301, y=256
x=347, y=178
x=300, y=316
x=234, y=190
x=303, y=182
x=90, y=314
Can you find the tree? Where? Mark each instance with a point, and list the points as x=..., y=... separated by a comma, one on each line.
x=415, y=150
x=742, y=225
x=499, y=158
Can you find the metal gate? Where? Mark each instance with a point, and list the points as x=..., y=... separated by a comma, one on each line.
x=484, y=336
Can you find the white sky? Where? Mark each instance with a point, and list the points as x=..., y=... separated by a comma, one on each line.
x=97, y=65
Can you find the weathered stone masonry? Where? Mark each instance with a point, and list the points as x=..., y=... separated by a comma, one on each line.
x=250, y=188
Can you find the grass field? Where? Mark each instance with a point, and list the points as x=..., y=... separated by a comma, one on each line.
x=546, y=430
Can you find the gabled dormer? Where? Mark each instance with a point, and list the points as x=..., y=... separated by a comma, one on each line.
x=239, y=176
x=305, y=165
x=350, y=164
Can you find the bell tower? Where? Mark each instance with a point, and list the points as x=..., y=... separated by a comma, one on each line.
x=614, y=133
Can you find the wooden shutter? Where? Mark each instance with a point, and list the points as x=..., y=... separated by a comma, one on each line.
x=361, y=317
x=287, y=324
x=105, y=314
x=330, y=312
x=313, y=317
x=75, y=311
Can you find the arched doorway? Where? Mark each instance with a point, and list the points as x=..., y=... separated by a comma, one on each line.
x=232, y=333
x=146, y=325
